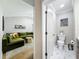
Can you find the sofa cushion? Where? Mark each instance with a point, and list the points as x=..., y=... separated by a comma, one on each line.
x=14, y=37
x=15, y=40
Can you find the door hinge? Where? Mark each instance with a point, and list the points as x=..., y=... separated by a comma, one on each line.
x=46, y=12
x=46, y=54
x=46, y=33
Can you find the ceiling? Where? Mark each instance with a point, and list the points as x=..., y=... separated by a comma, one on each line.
x=25, y=6
x=31, y=2
x=46, y=2
x=17, y=8
x=67, y=4
x=57, y=3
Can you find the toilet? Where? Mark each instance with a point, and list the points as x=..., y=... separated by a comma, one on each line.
x=60, y=41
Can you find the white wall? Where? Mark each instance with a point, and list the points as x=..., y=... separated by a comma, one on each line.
x=17, y=12
x=76, y=17
x=10, y=22
x=17, y=8
x=76, y=14
x=69, y=30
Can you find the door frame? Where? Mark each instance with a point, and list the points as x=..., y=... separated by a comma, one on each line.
x=38, y=30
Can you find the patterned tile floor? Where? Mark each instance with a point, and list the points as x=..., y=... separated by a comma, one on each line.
x=63, y=53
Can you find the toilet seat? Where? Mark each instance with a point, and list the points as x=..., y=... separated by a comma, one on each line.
x=60, y=42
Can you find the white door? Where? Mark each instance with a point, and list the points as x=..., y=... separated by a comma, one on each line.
x=51, y=30
x=1, y=35
x=1, y=32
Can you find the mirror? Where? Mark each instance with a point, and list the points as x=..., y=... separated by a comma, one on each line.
x=18, y=21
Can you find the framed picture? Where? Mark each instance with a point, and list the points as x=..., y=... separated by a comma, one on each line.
x=64, y=22
x=19, y=27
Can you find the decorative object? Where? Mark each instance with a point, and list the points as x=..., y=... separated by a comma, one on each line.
x=19, y=27
x=64, y=22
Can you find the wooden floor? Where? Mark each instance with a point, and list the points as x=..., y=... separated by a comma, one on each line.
x=4, y=56
x=26, y=54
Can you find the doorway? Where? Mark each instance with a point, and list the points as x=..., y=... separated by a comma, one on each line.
x=18, y=32
x=59, y=30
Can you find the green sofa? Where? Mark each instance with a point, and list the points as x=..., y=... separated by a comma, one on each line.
x=11, y=41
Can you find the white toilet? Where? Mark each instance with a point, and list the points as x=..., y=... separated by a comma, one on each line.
x=60, y=41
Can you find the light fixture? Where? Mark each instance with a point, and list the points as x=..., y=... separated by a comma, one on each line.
x=62, y=5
